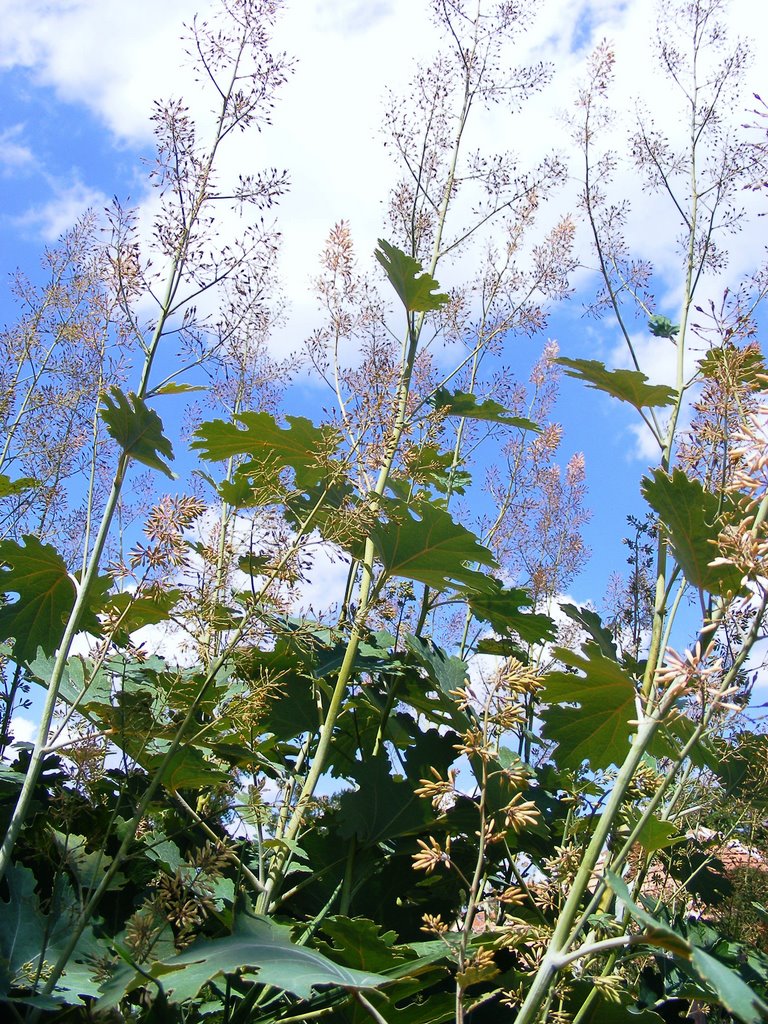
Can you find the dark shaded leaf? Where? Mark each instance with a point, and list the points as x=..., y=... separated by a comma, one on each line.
x=380, y=808
x=503, y=608
x=674, y=734
x=500, y=648
x=618, y=1010
x=415, y=287
x=656, y=933
x=435, y=1009
x=88, y=866
x=38, y=574
x=187, y=769
x=732, y=993
x=700, y=870
x=431, y=749
x=29, y=938
x=741, y=766
x=137, y=429
x=446, y=671
x=590, y=622
x=462, y=403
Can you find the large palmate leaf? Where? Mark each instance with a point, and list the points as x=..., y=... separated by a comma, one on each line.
x=80, y=682
x=691, y=516
x=258, y=947
x=619, y=1008
x=447, y=671
x=731, y=991
x=675, y=733
x=741, y=767
x=37, y=573
x=505, y=608
x=175, y=388
x=361, y=943
x=186, y=769
x=134, y=611
x=301, y=446
x=415, y=287
x=427, y=463
x=628, y=385
x=22, y=929
x=662, y=327
x=87, y=866
x=590, y=622
x=380, y=808
x=422, y=542
x=657, y=933
x=598, y=730
x=656, y=834
x=462, y=403
x=30, y=939
x=137, y=429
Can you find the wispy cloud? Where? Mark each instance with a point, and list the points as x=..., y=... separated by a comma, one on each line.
x=69, y=202
x=15, y=154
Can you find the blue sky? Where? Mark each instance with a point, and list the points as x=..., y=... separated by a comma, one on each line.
x=78, y=77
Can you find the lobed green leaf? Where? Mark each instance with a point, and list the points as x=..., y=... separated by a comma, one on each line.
x=599, y=729
x=691, y=516
x=462, y=403
x=422, y=542
x=415, y=287
x=627, y=385
x=258, y=950
x=38, y=574
x=137, y=429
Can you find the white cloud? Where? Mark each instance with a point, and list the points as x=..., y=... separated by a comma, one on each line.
x=24, y=729
x=14, y=153
x=110, y=56
x=645, y=447
x=69, y=202
x=326, y=583
x=115, y=59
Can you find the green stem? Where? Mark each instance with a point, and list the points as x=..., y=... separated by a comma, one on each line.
x=562, y=935
x=26, y=796
x=368, y=1006
x=367, y=590
x=583, y=1013
x=174, y=281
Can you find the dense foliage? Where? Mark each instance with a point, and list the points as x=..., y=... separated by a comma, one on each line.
x=455, y=794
